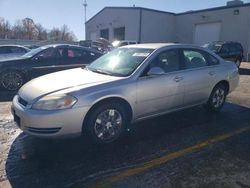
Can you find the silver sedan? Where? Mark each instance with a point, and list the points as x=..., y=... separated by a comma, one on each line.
x=127, y=85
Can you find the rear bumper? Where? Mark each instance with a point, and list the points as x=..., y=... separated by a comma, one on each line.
x=49, y=124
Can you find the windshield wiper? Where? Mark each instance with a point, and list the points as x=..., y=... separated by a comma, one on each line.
x=100, y=71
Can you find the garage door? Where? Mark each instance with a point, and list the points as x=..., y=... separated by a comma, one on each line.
x=93, y=36
x=208, y=32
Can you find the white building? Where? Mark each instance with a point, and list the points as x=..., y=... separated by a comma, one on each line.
x=227, y=23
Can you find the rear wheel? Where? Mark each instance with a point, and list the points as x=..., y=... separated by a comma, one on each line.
x=12, y=80
x=107, y=122
x=217, y=98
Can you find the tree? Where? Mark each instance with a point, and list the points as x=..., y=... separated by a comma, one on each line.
x=28, y=29
x=5, y=29
x=42, y=32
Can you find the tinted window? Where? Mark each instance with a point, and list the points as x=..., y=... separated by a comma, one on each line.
x=4, y=50
x=72, y=53
x=225, y=48
x=194, y=59
x=49, y=53
x=17, y=50
x=238, y=47
x=167, y=61
x=84, y=55
x=232, y=47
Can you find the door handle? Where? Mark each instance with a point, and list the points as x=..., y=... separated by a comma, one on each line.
x=211, y=73
x=178, y=78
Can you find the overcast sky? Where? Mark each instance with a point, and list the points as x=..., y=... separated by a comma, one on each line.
x=55, y=13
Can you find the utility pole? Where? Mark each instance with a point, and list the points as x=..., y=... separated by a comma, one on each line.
x=85, y=10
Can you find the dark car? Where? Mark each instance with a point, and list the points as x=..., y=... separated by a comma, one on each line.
x=7, y=51
x=231, y=51
x=15, y=72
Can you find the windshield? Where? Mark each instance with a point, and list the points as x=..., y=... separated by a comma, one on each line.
x=120, y=62
x=215, y=47
x=34, y=51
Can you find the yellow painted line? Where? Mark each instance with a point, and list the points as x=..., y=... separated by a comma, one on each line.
x=158, y=161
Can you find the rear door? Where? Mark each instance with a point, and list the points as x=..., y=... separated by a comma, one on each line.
x=198, y=76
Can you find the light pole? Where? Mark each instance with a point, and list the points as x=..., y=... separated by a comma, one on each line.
x=85, y=10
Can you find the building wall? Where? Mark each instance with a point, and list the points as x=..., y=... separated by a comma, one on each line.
x=114, y=18
x=157, y=26
x=233, y=27
x=147, y=25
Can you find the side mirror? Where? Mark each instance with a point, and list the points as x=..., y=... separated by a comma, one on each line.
x=155, y=71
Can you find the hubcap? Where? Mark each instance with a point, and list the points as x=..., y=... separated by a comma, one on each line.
x=12, y=81
x=218, y=98
x=108, y=124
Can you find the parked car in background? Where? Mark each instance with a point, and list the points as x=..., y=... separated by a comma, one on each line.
x=51, y=58
x=228, y=50
x=128, y=84
x=119, y=43
x=100, y=44
x=9, y=51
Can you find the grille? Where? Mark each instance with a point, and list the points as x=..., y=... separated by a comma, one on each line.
x=43, y=130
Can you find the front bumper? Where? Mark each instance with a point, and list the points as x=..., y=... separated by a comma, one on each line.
x=56, y=123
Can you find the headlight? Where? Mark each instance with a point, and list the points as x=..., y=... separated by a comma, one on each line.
x=55, y=102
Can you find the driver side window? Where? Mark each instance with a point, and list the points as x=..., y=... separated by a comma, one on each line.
x=168, y=61
x=50, y=53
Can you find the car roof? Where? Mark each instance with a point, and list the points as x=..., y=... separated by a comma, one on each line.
x=72, y=46
x=225, y=42
x=161, y=45
x=13, y=45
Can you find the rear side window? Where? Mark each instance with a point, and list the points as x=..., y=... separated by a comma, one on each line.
x=74, y=53
x=238, y=47
x=212, y=60
x=84, y=55
x=194, y=59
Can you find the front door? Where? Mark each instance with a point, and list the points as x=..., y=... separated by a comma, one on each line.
x=160, y=93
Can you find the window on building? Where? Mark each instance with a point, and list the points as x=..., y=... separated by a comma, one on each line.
x=119, y=33
x=104, y=33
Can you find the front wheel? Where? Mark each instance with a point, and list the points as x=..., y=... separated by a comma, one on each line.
x=107, y=122
x=12, y=80
x=216, y=99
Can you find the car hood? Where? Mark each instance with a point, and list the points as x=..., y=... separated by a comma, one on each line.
x=69, y=79
x=6, y=59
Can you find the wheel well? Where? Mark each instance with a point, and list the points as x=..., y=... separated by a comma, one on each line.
x=224, y=83
x=15, y=70
x=107, y=100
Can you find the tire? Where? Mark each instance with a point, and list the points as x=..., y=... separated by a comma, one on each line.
x=12, y=80
x=216, y=99
x=101, y=128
